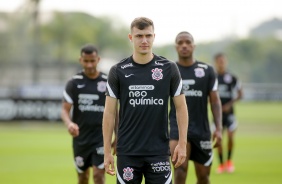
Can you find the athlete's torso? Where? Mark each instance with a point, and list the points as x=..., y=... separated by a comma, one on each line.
x=143, y=92
x=198, y=81
x=227, y=83
x=88, y=97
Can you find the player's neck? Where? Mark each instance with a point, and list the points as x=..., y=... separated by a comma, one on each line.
x=220, y=72
x=142, y=58
x=92, y=75
x=186, y=61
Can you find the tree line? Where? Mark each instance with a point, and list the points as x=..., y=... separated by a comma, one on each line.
x=57, y=37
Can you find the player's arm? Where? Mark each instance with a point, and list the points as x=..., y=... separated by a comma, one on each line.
x=179, y=154
x=114, y=143
x=108, y=128
x=226, y=107
x=65, y=115
x=215, y=104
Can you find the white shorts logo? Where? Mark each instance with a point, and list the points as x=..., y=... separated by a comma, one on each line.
x=206, y=145
x=79, y=161
x=161, y=166
x=100, y=150
x=128, y=173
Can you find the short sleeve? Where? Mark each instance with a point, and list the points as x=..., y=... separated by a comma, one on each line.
x=113, y=83
x=68, y=93
x=213, y=82
x=176, y=81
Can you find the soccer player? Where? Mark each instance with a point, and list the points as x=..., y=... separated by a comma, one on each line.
x=199, y=85
x=230, y=91
x=82, y=113
x=143, y=83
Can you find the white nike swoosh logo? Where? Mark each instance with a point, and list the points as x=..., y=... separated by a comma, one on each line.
x=167, y=175
x=128, y=75
x=80, y=86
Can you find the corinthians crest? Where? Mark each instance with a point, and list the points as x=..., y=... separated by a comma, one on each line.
x=199, y=72
x=101, y=86
x=127, y=173
x=79, y=161
x=157, y=74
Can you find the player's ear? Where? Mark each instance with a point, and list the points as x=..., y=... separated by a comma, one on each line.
x=130, y=37
x=80, y=59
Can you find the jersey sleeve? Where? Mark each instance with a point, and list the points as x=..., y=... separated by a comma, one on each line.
x=213, y=82
x=68, y=93
x=113, y=83
x=176, y=81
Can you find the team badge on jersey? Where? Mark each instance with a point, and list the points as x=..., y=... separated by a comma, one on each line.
x=128, y=173
x=199, y=72
x=157, y=74
x=101, y=86
x=227, y=78
x=79, y=161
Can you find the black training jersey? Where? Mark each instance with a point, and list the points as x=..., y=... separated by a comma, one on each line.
x=88, y=99
x=198, y=81
x=143, y=91
x=227, y=85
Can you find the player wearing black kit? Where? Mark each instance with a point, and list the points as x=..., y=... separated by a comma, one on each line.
x=84, y=99
x=199, y=85
x=230, y=91
x=143, y=84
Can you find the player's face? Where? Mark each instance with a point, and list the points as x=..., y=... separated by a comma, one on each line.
x=185, y=45
x=142, y=39
x=89, y=62
x=221, y=63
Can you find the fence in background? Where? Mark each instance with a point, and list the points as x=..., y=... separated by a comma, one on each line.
x=27, y=95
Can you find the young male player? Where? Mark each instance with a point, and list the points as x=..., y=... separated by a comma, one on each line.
x=199, y=86
x=82, y=112
x=143, y=84
x=230, y=91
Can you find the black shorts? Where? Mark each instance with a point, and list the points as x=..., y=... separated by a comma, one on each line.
x=229, y=121
x=88, y=156
x=201, y=151
x=155, y=169
x=173, y=133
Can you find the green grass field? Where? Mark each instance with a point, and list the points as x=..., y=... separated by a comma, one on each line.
x=33, y=153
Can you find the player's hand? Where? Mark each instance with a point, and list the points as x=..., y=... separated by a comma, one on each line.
x=226, y=107
x=217, y=137
x=179, y=155
x=109, y=164
x=73, y=129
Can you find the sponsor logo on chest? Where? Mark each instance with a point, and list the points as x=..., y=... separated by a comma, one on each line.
x=86, y=103
x=138, y=95
x=187, y=84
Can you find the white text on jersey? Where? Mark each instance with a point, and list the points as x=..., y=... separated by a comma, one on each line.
x=86, y=103
x=140, y=97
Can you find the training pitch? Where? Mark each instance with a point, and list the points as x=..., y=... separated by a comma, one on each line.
x=33, y=152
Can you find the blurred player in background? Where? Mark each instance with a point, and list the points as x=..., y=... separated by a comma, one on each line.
x=199, y=85
x=230, y=91
x=82, y=113
x=143, y=83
